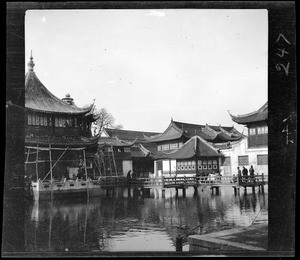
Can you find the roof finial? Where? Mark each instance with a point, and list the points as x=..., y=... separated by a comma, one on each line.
x=30, y=64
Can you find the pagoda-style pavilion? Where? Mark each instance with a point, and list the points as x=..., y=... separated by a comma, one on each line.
x=178, y=133
x=57, y=134
x=196, y=156
x=257, y=124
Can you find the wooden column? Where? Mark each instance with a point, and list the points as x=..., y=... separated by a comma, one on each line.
x=84, y=162
x=36, y=163
x=50, y=157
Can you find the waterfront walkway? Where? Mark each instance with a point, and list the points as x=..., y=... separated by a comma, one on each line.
x=253, y=238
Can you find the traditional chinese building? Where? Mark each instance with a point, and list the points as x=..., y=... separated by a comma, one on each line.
x=141, y=151
x=57, y=133
x=195, y=156
x=178, y=133
x=251, y=150
x=114, y=156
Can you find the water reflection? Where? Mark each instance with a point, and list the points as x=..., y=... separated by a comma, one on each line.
x=138, y=220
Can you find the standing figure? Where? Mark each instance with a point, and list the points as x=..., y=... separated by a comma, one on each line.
x=239, y=175
x=245, y=173
x=251, y=171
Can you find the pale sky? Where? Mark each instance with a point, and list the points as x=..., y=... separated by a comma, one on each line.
x=146, y=66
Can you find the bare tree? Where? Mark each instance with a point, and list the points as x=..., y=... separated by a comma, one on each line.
x=105, y=119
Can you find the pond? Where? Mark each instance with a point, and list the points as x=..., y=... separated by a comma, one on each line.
x=123, y=220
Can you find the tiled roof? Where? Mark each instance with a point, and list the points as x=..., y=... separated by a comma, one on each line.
x=38, y=97
x=256, y=116
x=177, y=130
x=71, y=141
x=194, y=147
x=138, y=151
x=129, y=135
x=114, y=142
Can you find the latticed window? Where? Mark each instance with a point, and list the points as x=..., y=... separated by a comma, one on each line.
x=33, y=120
x=165, y=147
x=252, y=131
x=127, y=149
x=45, y=121
x=60, y=122
x=159, y=148
x=243, y=160
x=41, y=120
x=56, y=121
x=180, y=144
x=37, y=120
x=173, y=146
x=29, y=119
x=262, y=159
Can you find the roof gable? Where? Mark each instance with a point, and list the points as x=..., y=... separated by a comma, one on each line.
x=256, y=116
x=194, y=147
x=39, y=98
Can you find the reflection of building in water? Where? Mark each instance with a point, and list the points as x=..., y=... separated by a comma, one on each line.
x=103, y=222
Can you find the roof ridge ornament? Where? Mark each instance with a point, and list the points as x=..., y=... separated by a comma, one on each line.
x=30, y=64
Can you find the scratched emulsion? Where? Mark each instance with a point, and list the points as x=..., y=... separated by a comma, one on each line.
x=119, y=222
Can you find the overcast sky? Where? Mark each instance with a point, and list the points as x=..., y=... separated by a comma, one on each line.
x=146, y=66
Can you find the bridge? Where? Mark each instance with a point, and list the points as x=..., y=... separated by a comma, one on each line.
x=184, y=182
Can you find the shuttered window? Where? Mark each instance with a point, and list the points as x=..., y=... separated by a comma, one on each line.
x=262, y=159
x=243, y=160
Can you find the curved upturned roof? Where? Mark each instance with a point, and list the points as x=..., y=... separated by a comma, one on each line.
x=256, y=116
x=195, y=146
x=39, y=98
x=177, y=130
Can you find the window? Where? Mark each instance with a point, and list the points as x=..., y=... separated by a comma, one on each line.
x=266, y=129
x=127, y=149
x=63, y=122
x=243, y=160
x=45, y=121
x=262, y=130
x=29, y=119
x=252, y=131
x=41, y=120
x=33, y=120
x=179, y=145
x=60, y=122
x=56, y=121
x=215, y=162
x=159, y=148
x=37, y=120
x=165, y=147
x=262, y=159
x=173, y=146
x=50, y=121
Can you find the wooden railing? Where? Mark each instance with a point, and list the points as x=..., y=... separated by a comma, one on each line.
x=169, y=182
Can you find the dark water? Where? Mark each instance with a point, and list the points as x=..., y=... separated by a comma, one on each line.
x=118, y=222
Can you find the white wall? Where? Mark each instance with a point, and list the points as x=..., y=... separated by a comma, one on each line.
x=240, y=149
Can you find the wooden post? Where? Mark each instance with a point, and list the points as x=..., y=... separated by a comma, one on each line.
x=163, y=181
x=176, y=192
x=36, y=163
x=163, y=193
x=183, y=192
x=179, y=243
x=195, y=191
x=50, y=157
x=84, y=163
